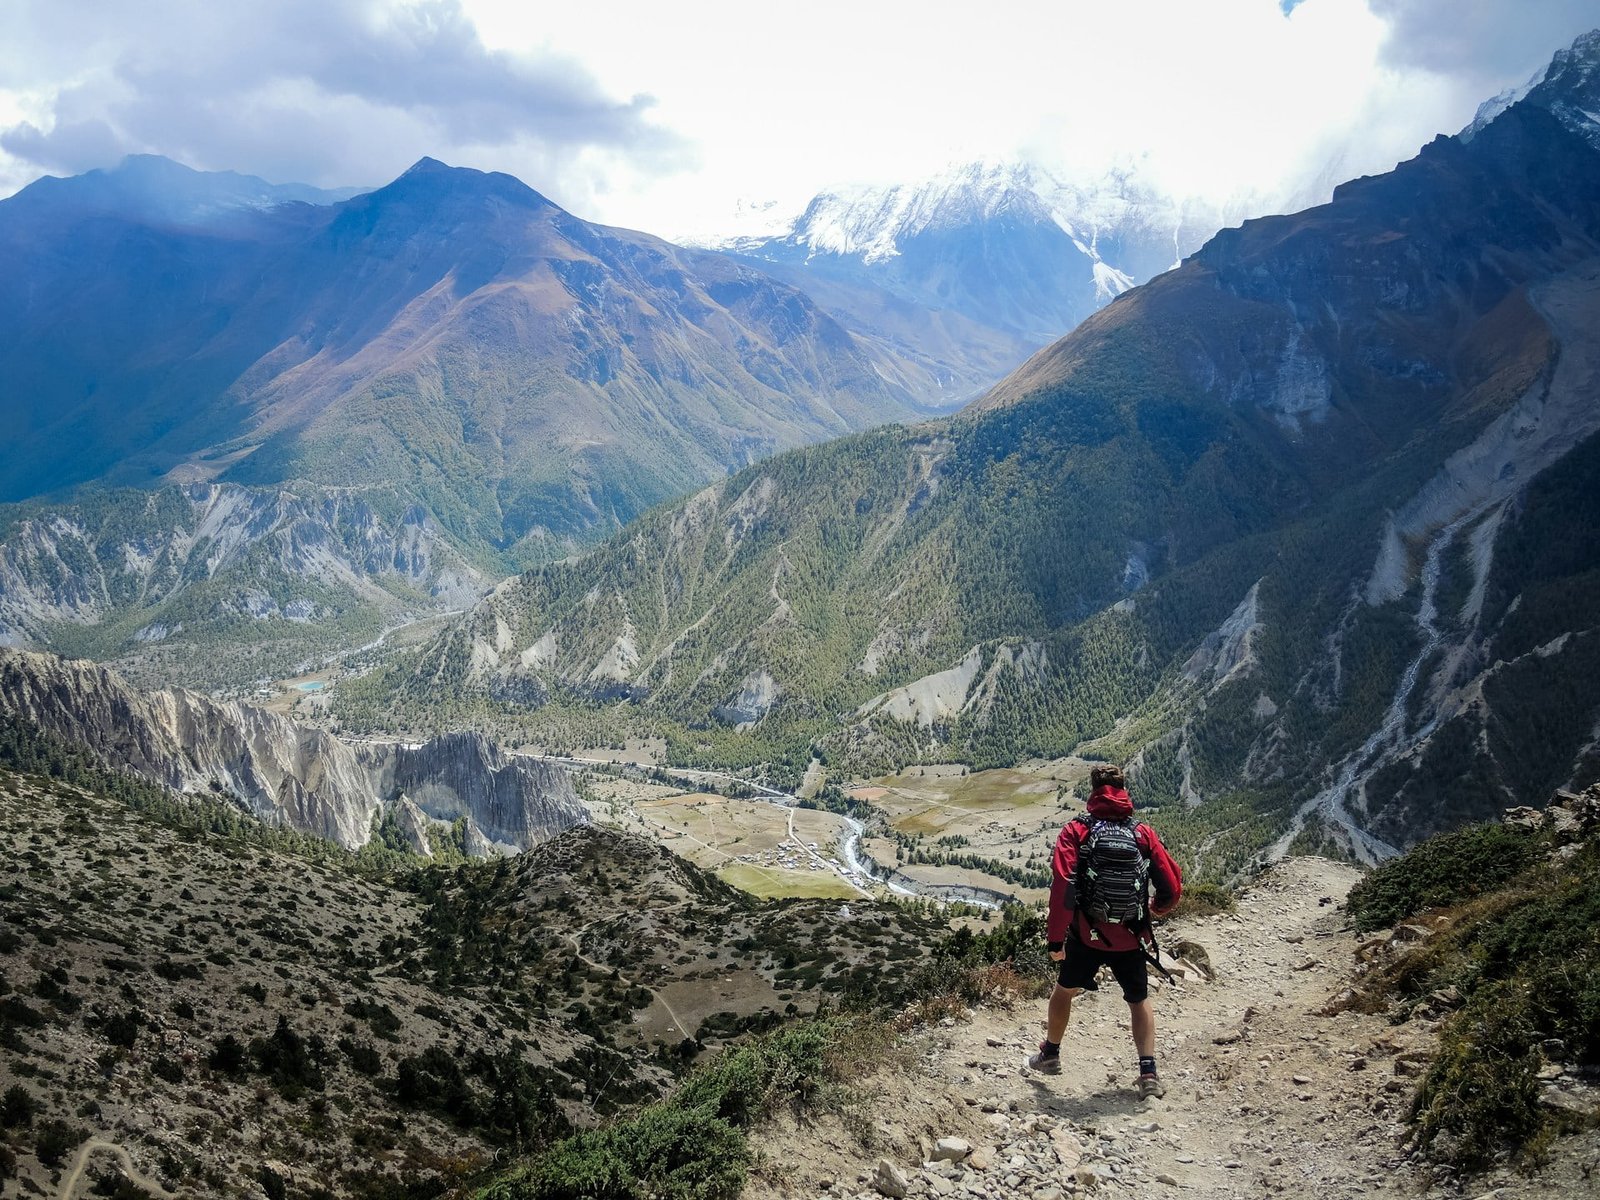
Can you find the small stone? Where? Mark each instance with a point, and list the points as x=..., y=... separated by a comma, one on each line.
x=982, y=1158
x=1302, y=1080
x=890, y=1180
x=951, y=1149
x=1147, y=1127
x=939, y=1185
x=994, y=1041
x=1068, y=1149
x=1185, y=1158
x=1163, y=1177
x=1085, y=1177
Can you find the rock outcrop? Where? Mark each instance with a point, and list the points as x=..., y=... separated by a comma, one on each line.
x=286, y=773
x=513, y=802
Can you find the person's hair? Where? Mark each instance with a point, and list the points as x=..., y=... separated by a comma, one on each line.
x=1107, y=776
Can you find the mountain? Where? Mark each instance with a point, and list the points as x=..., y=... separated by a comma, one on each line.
x=1568, y=86
x=518, y=368
x=1004, y=255
x=152, y=189
x=1302, y=528
x=263, y=582
x=440, y=380
x=287, y=774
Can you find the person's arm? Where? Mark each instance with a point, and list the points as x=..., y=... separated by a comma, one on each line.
x=1165, y=877
x=1063, y=891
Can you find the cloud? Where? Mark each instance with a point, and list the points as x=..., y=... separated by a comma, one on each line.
x=1483, y=43
x=324, y=91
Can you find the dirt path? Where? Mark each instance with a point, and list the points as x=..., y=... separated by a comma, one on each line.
x=577, y=948
x=1264, y=1095
x=69, y=1182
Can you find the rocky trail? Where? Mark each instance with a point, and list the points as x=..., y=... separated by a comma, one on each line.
x=1265, y=1095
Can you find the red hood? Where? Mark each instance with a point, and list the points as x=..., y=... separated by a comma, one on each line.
x=1110, y=804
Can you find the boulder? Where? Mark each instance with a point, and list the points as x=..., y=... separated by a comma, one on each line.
x=890, y=1180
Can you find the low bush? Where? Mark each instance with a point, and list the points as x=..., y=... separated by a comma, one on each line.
x=666, y=1151
x=692, y=1146
x=1525, y=962
x=1204, y=900
x=1447, y=869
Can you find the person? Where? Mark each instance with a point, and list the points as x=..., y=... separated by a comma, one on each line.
x=1081, y=944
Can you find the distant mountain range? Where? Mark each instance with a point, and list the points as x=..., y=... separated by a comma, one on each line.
x=1004, y=248
x=1304, y=528
x=475, y=377
x=521, y=369
x=348, y=410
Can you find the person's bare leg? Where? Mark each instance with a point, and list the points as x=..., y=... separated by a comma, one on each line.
x=1143, y=1019
x=1060, y=1012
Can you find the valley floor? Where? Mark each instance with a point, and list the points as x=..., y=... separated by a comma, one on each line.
x=1265, y=1095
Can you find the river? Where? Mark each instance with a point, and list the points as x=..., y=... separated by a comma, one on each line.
x=857, y=868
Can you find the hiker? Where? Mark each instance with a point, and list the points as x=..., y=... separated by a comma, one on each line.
x=1105, y=866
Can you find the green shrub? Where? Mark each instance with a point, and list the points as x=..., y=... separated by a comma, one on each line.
x=1481, y=1095
x=741, y=1085
x=1444, y=870
x=228, y=1056
x=55, y=1138
x=1526, y=961
x=690, y=1147
x=17, y=1107
x=1204, y=900
x=666, y=1151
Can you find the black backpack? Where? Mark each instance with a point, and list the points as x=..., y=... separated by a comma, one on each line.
x=1113, y=882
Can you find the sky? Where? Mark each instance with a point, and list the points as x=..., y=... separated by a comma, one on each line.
x=675, y=117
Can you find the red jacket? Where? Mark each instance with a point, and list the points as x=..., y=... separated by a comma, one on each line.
x=1109, y=804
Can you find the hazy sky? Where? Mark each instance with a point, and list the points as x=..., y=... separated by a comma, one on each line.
x=663, y=116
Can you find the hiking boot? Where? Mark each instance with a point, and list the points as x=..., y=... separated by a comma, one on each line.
x=1045, y=1064
x=1151, y=1085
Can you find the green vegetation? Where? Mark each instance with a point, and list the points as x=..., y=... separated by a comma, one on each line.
x=1204, y=900
x=1444, y=870
x=1518, y=958
x=692, y=1146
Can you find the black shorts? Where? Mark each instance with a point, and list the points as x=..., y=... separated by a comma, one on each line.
x=1083, y=963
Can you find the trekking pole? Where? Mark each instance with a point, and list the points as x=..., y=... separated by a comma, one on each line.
x=1154, y=959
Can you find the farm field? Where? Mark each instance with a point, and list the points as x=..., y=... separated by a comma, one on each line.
x=1007, y=817
x=763, y=848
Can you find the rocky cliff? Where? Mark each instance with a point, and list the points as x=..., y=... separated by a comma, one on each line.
x=290, y=774
x=262, y=579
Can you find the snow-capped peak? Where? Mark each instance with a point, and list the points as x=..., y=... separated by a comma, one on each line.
x=871, y=222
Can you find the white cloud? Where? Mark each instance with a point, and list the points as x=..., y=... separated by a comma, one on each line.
x=324, y=91
x=1222, y=99
x=661, y=116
